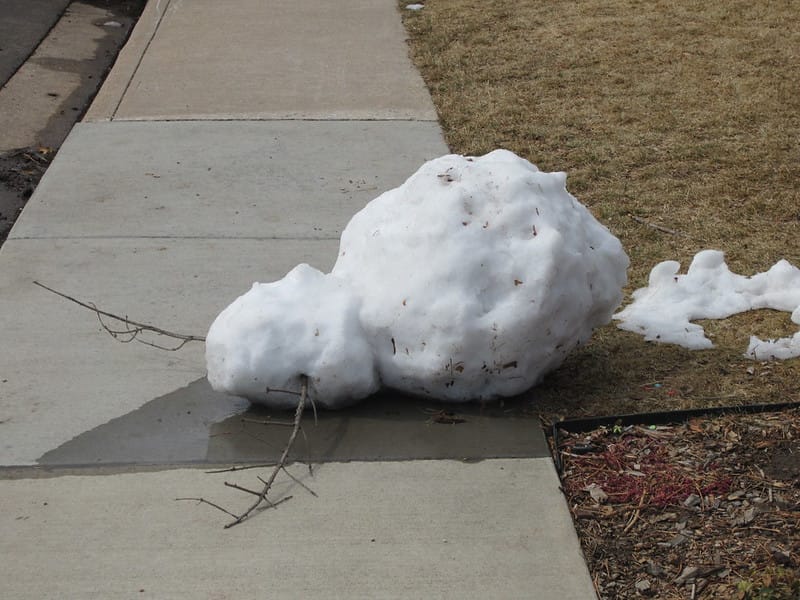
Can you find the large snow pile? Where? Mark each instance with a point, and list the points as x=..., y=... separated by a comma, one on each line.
x=709, y=290
x=470, y=281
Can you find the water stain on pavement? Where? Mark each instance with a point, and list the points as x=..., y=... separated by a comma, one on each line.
x=171, y=429
x=387, y=426
x=196, y=424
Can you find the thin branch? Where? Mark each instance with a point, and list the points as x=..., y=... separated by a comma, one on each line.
x=173, y=348
x=298, y=482
x=314, y=408
x=658, y=227
x=241, y=488
x=282, y=391
x=204, y=501
x=281, y=464
x=636, y=513
x=226, y=511
x=235, y=468
x=268, y=421
x=132, y=328
x=293, y=393
x=654, y=225
x=134, y=335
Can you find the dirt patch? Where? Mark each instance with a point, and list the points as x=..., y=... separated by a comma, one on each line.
x=709, y=508
x=20, y=172
x=784, y=462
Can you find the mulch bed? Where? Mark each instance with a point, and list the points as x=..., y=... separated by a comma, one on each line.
x=20, y=172
x=708, y=508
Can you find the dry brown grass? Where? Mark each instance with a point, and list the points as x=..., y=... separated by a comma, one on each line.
x=683, y=113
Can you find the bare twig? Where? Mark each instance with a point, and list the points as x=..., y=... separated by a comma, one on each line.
x=658, y=227
x=268, y=422
x=293, y=393
x=241, y=488
x=226, y=511
x=235, y=468
x=131, y=328
x=279, y=466
x=314, y=409
x=298, y=482
x=654, y=225
x=204, y=501
x=282, y=391
x=636, y=513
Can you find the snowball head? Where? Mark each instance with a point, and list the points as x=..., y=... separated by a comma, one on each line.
x=305, y=324
x=478, y=276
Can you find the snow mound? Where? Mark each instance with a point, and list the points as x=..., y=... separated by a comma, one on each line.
x=470, y=281
x=709, y=290
x=478, y=276
x=305, y=324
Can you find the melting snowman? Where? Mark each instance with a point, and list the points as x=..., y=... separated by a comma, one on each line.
x=470, y=281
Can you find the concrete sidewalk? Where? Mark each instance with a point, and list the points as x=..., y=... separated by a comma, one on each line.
x=230, y=142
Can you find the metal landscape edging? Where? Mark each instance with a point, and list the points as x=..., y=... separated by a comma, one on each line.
x=654, y=418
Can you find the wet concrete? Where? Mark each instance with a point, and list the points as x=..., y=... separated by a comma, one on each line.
x=387, y=426
x=171, y=429
x=196, y=424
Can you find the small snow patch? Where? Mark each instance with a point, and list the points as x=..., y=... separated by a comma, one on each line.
x=663, y=311
x=415, y=6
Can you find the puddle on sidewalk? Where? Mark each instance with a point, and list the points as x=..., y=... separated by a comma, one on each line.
x=387, y=426
x=171, y=429
x=196, y=424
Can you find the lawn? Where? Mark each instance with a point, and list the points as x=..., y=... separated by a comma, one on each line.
x=678, y=124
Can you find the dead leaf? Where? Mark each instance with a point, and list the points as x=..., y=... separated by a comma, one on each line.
x=596, y=492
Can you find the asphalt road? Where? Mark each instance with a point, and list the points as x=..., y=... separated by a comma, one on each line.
x=23, y=24
x=46, y=40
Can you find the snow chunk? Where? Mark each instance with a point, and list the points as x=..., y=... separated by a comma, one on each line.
x=709, y=290
x=415, y=6
x=305, y=324
x=478, y=276
x=470, y=281
x=780, y=349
